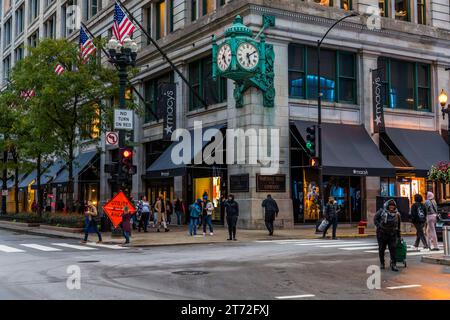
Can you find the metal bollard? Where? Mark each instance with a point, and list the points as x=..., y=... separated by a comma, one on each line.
x=446, y=236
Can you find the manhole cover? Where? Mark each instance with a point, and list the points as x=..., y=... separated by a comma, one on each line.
x=191, y=273
x=89, y=261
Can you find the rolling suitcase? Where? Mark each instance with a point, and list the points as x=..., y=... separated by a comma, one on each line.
x=400, y=252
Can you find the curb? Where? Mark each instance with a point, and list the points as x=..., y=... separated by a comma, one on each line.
x=38, y=233
x=440, y=260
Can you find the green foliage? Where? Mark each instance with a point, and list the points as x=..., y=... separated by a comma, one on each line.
x=440, y=172
x=53, y=219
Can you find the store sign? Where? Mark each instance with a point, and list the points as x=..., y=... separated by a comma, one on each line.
x=239, y=183
x=360, y=172
x=271, y=183
x=114, y=208
x=378, y=96
x=167, y=106
x=123, y=119
x=5, y=193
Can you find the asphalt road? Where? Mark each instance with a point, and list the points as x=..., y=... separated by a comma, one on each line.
x=35, y=267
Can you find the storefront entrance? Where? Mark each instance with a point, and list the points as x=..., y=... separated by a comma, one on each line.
x=157, y=187
x=209, y=187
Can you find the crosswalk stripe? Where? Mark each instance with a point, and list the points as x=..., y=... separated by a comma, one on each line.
x=9, y=249
x=424, y=253
x=296, y=297
x=109, y=246
x=360, y=248
x=73, y=246
x=319, y=243
x=39, y=247
x=354, y=244
x=290, y=240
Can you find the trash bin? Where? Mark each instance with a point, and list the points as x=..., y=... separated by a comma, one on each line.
x=446, y=236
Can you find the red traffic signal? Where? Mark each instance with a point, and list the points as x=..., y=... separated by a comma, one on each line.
x=127, y=153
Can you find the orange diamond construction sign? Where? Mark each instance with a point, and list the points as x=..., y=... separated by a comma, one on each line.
x=114, y=208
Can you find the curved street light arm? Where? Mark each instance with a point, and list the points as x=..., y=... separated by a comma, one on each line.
x=353, y=14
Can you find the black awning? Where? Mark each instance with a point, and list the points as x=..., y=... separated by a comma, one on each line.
x=164, y=166
x=79, y=164
x=421, y=148
x=348, y=150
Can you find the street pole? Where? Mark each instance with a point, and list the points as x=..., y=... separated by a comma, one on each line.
x=319, y=111
x=4, y=180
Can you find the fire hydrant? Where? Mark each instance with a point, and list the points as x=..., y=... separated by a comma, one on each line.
x=361, y=226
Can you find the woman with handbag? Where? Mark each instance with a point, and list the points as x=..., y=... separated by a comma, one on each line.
x=331, y=215
x=90, y=219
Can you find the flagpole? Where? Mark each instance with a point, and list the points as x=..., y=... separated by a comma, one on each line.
x=174, y=68
x=130, y=84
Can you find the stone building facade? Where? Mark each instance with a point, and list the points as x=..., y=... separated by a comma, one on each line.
x=411, y=45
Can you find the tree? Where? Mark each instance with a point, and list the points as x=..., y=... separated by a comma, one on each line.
x=69, y=102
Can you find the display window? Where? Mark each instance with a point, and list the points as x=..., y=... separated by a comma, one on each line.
x=209, y=187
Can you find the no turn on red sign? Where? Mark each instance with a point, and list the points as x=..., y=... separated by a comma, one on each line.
x=112, y=138
x=114, y=208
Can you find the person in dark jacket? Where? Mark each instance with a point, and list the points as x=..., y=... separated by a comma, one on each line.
x=271, y=212
x=232, y=211
x=126, y=224
x=331, y=214
x=388, y=221
x=418, y=218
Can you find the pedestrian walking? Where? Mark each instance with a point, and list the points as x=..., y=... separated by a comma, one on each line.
x=387, y=221
x=270, y=212
x=331, y=214
x=232, y=211
x=169, y=211
x=160, y=208
x=207, y=217
x=418, y=218
x=144, y=209
x=179, y=210
x=432, y=214
x=126, y=224
x=195, y=210
x=90, y=219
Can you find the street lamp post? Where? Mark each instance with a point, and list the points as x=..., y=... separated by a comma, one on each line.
x=319, y=110
x=445, y=110
x=122, y=56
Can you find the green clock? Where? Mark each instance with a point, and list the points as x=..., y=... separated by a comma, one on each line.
x=245, y=60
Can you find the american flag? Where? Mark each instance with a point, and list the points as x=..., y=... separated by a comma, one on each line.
x=122, y=26
x=59, y=69
x=87, y=47
x=27, y=94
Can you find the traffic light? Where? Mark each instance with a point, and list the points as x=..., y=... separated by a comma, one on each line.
x=313, y=162
x=126, y=160
x=311, y=141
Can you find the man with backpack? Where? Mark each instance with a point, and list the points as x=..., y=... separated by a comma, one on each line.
x=388, y=221
x=418, y=218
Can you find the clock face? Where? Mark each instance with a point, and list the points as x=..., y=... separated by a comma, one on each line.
x=247, y=55
x=224, y=57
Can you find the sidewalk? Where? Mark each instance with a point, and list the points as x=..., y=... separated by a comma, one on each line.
x=178, y=235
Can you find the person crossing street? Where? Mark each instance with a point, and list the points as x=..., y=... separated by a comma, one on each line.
x=387, y=221
x=270, y=212
x=232, y=211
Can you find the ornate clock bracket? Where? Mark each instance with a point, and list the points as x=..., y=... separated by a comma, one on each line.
x=263, y=77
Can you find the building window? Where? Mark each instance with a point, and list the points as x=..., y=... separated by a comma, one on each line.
x=18, y=53
x=200, y=77
x=7, y=32
x=33, y=9
x=148, y=22
x=171, y=9
x=325, y=3
x=346, y=4
x=48, y=3
x=91, y=7
x=421, y=12
x=20, y=20
x=160, y=19
x=208, y=6
x=407, y=85
x=6, y=67
x=33, y=39
x=151, y=95
x=383, y=5
x=193, y=10
x=68, y=14
x=337, y=74
x=50, y=27
x=402, y=10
